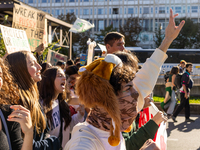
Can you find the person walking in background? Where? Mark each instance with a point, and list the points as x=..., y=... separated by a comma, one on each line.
x=170, y=96
x=187, y=83
x=182, y=66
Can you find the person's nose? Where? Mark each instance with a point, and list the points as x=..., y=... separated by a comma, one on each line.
x=122, y=48
x=39, y=67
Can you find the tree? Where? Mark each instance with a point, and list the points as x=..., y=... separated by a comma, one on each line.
x=131, y=30
x=189, y=35
x=158, y=38
x=83, y=41
x=101, y=35
x=70, y=18
x=2, y=46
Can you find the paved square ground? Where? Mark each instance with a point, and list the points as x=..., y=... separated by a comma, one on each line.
x=183, y=135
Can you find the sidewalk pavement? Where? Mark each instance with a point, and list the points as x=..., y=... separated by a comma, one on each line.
x=183, y=135
x=194, y=108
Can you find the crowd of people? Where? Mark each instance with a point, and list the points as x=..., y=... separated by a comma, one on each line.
x=178, y=85
x=92, y=107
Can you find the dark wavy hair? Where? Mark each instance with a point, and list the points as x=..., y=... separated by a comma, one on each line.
x=47, y=93
x=126, y=73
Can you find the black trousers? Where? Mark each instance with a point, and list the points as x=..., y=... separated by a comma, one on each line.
x=184, y=103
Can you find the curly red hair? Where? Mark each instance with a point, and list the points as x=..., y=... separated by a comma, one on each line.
x=9, y=91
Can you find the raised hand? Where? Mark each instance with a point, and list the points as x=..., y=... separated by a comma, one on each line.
x=23, y=117
x=172, y=31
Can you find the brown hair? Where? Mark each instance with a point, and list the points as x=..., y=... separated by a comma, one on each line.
x=28, y=92
x=9, y=91
x=174, y=70
x=111, y=37
x=47, y=94
x=125, y=73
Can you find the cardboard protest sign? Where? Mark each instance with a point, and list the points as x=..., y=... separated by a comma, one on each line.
x=81, y=25
x=83, y=59
x=14, y=39
x=31, y=21
x=53, y=57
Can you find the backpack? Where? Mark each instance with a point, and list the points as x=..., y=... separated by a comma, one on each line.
x=166, y=76
x=177, y=81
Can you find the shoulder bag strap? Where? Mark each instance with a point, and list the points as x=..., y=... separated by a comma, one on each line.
x=6, y=128
x=60, y=136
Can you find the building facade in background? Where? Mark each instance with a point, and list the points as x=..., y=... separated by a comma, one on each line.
x=105, y=12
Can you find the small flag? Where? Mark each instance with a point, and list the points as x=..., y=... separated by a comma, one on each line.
x=81, y=25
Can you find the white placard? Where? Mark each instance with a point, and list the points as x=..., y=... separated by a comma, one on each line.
x=14, y=39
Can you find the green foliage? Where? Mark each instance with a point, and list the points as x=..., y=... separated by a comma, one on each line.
x=77, y=38
x=51, y=46
x=2, y=46
x=193, y=100
x=158, y=38
x=83, y=41
x=189, y=35
x=131, y=30
x=101, y=35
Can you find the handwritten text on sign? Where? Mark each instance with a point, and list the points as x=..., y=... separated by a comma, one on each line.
x=31, y=21
x=53, y=57
x=14, y=39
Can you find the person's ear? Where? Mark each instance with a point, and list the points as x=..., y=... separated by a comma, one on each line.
x=108, y=47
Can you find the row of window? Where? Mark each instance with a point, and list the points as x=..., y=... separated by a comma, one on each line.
x=177, y=9
x=59, y=1
x=147, y=24
x=133, y=10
